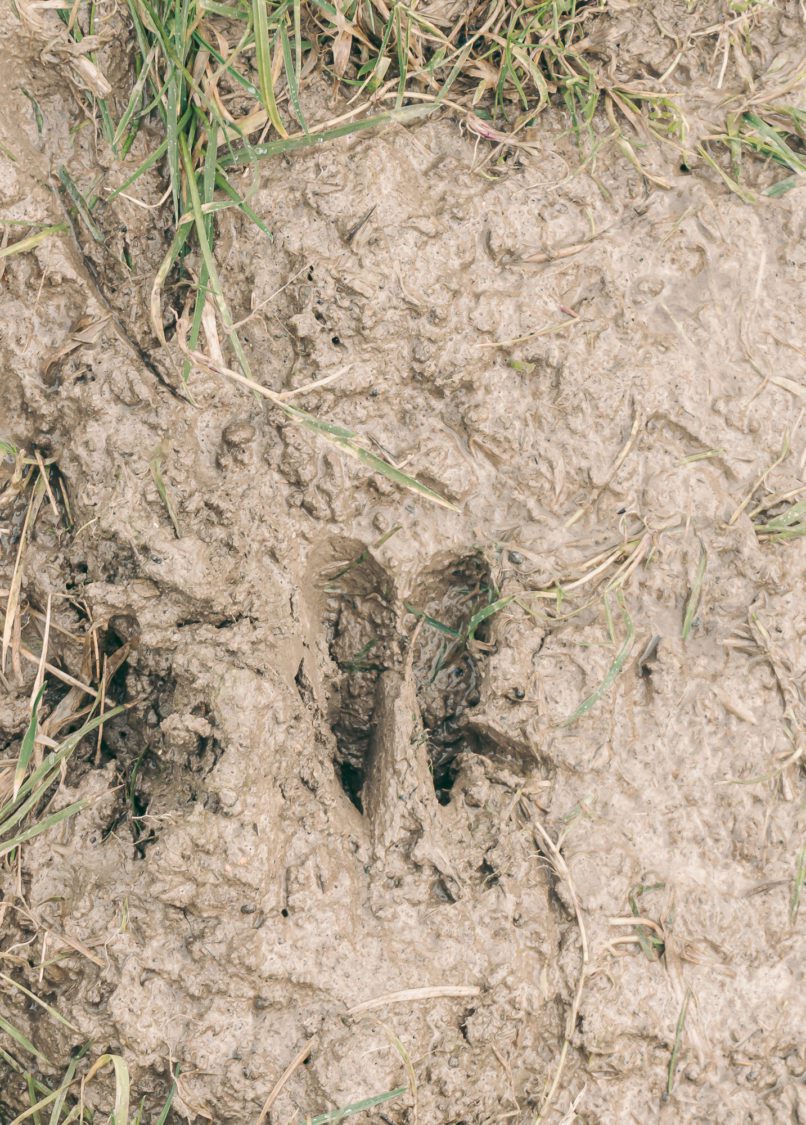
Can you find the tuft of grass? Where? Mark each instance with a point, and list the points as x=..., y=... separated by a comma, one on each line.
x=218, y=77
x=652, y=946
x=21, y=816
x=788, y=524
x=74, y=1086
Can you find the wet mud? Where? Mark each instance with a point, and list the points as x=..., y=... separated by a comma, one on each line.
x=326, y=791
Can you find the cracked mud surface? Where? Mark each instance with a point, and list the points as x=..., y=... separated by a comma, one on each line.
x=334, y=799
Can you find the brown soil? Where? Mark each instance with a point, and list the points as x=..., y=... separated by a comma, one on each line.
x=332, y=808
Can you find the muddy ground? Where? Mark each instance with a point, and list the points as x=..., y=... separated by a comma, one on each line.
x=319, y=799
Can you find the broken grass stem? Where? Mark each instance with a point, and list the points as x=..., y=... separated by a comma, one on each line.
x=346, y=440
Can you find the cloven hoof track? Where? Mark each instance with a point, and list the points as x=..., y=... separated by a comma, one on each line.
x=366, y=627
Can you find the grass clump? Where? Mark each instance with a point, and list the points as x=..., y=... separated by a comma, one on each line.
x=224, y=82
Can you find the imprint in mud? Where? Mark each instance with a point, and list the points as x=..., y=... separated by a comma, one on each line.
x=447, y=658
x=365, y=636
x=359, y=621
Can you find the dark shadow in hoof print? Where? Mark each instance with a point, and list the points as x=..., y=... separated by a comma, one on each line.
x=359, y=621
x=451, y=646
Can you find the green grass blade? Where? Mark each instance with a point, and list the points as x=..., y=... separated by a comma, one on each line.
x=163, y=1117
x=156, y=472
x=149, y=162
x=39, y=781
x=308, y=140
x=223, y=184
x=678, y=1043
x=352, y=444
x=260, y=26
x=356, y=1107
x=43, y=826
x=31, y=241
x=35, y=106
x=483, y=614
x=775, y=145
x=21, y=1040
x=797, y=886
x=52, y=1012
x=135, y=96
x=292, y=78
x=610, y=678
x=695, y=593
x=440, y=626
x=28, y=744
x=207, y=256
x=78, y=201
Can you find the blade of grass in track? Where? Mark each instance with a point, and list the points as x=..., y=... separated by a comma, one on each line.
x=163, y=1117
x=156, y=472
x=135, y=97
x=207, y=257
x=208, y=189
x=260, y=24
x=52, y=1012
x=307, y=140
x=695, y=593
x=31, y=241
x=352, y=444
x=78, y=201
x=357, y=1107
x=347, y=440
x=678, y=1043
x=21, y=1040
x=483, y=614
x=611, y=676
x=149, y=162
x=292, y=77
x=35, y=106
x=440, y=626
x=28, y=743
x=120, y=1114
x=223, y=184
